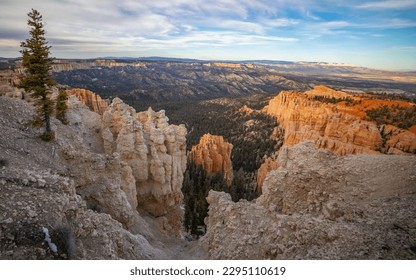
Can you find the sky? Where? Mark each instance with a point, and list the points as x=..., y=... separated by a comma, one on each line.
x=376, y=34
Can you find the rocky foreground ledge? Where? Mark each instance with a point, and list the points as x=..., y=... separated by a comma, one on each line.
x=107, y=187
x=318, y=205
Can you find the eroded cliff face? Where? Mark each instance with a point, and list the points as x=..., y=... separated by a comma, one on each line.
x=126, y=162
x=155, y=153
x=340, y=127
x=90, y=99
x=214, y=154
x=69, y=186
x=319, y=205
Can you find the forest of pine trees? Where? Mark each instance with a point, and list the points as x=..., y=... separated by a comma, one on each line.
x=196, y=186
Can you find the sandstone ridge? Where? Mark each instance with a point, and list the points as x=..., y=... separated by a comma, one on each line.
x=342, y=127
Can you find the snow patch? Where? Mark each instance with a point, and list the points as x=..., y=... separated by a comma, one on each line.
x=52, y=245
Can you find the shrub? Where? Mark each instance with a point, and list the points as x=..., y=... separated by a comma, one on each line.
x=47, y=136
x=3, y=162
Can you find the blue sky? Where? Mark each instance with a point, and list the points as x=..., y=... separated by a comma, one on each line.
x=377, y=34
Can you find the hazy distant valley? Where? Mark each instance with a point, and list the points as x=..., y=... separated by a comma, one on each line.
x=154, y=81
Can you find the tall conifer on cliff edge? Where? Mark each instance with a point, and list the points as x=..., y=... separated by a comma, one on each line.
x=37, y=79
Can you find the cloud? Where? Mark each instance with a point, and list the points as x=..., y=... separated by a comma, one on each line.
x=280, y=22
x=80, y=28
x=389, y=4
x=393, y=23
x=312, y=16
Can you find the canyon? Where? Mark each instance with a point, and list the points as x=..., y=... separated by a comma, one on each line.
x=336, y=182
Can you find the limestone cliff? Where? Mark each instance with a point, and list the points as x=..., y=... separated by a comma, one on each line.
x=319, y=205
x=341, y=127
x=214, y=154
x=90, y=99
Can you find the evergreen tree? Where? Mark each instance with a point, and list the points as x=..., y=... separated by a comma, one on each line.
x=61, y=107
x=38, y=79
x=196, y=186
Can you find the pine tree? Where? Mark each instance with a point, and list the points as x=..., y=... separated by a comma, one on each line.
x=38, y=79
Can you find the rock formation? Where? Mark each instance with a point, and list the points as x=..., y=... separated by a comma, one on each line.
x=69, y=187
x=107, y=187
x=318, y=205
x=342, y=128
x=214, y=154
x=90, y=99
x=154, y=151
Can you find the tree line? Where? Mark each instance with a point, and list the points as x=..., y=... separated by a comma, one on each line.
x=196, y=186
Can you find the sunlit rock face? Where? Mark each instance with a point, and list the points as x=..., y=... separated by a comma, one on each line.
x=90, y=99
x=214, y=154
x=341, y=127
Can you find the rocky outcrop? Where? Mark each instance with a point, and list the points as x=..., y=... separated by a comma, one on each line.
x=68, y=186
x=155, y=153
x=214, y=154
x=339, y=127
x=90, y=99
x=33, y=199
x=318, y=205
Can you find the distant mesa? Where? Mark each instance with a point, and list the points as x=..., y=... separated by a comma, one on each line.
x=229, y=65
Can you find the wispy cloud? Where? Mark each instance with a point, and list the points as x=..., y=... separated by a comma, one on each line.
x=312, y=16
x=255, y=27
x=393, y=23
x=389, y=4
x=280, y=22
